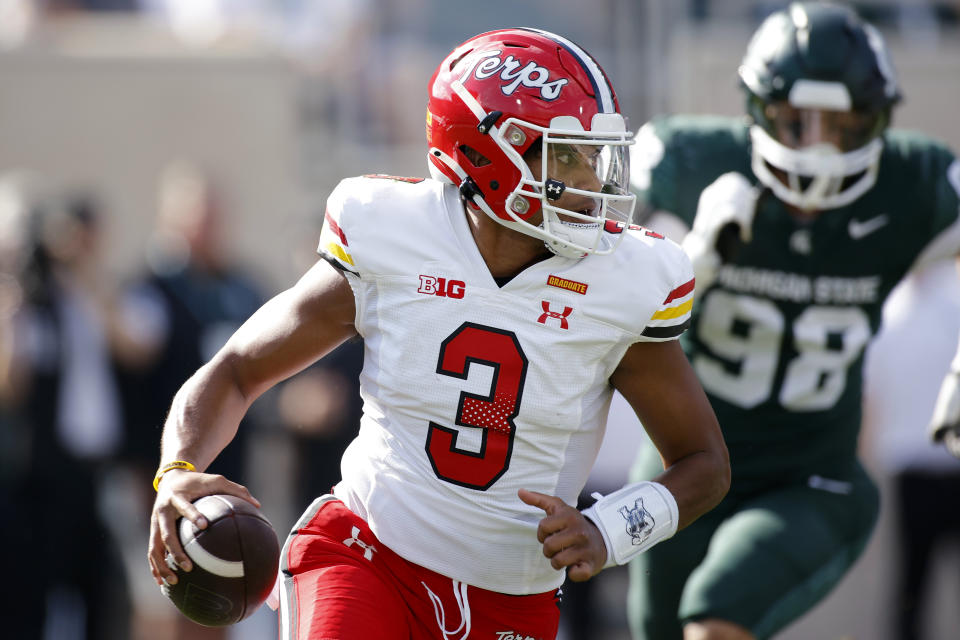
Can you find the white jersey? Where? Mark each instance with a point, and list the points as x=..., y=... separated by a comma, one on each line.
x=472, y=390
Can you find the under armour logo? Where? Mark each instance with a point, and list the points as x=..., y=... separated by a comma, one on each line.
x=368, y=549
x=554, y=188
x=558, y=315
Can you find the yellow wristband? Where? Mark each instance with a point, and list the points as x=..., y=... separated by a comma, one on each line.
x=176, y=464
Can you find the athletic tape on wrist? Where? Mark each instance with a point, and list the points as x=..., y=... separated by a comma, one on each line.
x=633, y=519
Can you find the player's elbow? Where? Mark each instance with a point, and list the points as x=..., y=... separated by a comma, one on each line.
x=721, y=472
x=239, y=377
x=712, y=477
x=715, y=466
x=713, y=482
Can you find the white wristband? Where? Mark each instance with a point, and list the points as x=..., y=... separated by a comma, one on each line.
x=633, y=519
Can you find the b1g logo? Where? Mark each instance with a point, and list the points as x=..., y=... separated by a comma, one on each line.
x=514, y=73
x=434, y=286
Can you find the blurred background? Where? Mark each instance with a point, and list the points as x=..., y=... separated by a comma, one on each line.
x=164, y=166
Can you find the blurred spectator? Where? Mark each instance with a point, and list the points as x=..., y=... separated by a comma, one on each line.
x=190, y=300
x=13, y=251
x=62, y=402
x=185, y=307
x=89, y=5
x=320, y=407
x=23, y=610
x=904, y=369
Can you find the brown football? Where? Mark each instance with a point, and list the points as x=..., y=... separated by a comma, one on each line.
x=235, y=562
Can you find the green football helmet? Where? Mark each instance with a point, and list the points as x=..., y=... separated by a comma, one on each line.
x=820, y=90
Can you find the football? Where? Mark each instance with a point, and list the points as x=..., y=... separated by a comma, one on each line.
x=235, y=562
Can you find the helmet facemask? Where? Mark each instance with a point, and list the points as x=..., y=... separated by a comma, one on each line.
x=580, y=182
x=814, y=158
x=820, y=90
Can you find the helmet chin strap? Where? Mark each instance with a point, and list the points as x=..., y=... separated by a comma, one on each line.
x=567, y=239
x=553, y=244
x=448, y=162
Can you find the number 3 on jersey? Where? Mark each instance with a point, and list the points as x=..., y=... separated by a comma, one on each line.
x=493, y=414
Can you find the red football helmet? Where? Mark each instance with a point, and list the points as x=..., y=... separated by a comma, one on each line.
x=526, y=123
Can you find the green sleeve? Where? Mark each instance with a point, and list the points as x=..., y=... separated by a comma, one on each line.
x=677, y=157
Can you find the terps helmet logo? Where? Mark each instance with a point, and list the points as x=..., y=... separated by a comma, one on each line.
x=639, y=522
x=514, y=74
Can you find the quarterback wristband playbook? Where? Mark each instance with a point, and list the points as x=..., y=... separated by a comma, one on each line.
x=176, y=464
x=633, y=519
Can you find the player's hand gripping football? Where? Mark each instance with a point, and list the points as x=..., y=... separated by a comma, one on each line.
x=730, y=201
x=569, y=539
x=945, y=424
x=175, y=495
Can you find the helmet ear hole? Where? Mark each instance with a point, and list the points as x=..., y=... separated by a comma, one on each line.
x=476, y=158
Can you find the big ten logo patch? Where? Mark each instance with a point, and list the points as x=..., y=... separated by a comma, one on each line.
x=434, y=286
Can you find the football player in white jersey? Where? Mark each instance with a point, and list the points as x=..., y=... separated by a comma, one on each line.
x=501, y=303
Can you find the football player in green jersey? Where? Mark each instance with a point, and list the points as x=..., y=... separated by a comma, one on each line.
x=801, y=220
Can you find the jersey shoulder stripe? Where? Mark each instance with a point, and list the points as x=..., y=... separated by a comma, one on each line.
x=334, y=246
x=335, y=228
x=667, y=333
x=669, y=313
x=662, y=290
x=673, y=316
x=683, y=290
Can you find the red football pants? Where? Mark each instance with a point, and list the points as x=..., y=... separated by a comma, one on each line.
x=339, y=582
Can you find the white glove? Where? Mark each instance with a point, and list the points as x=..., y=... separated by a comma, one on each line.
x=945, y=424
x=729, y=199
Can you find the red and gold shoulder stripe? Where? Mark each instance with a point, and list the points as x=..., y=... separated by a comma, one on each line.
x=333, y=242
x=673, y=316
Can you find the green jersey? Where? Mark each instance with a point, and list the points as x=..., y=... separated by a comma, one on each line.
x=778, y=339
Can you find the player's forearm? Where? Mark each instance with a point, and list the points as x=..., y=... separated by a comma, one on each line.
x=204, y=415
x=655, y=511
x=698, y=482
x=661, y=386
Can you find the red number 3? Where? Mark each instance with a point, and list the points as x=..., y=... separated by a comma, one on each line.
x=493, y=414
